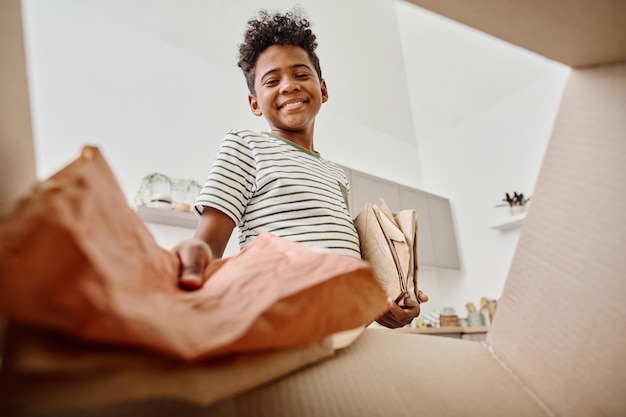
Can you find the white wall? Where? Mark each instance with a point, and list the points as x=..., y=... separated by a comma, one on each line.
x=413, y=99
x=483, y=111
x=156, y=85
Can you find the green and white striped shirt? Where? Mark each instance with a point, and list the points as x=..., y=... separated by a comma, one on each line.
x=265, y=183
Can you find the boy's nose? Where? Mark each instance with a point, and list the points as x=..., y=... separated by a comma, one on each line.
x=289, y=86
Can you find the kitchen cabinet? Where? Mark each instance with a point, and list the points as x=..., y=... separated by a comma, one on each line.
x=442, y=232
x=418, y=200
x=367, y=188
x=437, y=244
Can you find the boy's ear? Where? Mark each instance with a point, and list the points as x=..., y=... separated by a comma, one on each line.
x=254, y=105
x=324, y=91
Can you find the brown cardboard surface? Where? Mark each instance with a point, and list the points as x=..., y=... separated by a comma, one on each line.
x=575, y=32
x=46, y=373
x=396, y=374
x=561, y=322
x=17, y=162
x=384, y=372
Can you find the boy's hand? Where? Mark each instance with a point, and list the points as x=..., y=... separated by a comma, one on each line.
x=195, y=256
x=398, y=316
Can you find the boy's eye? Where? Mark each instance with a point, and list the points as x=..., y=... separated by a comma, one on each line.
x=275, y=81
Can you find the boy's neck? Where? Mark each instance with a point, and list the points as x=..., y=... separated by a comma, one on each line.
x=303, y=139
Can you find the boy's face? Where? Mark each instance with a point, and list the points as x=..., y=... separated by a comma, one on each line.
x=289, y=93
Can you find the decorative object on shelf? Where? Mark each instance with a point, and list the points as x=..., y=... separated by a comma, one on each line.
x=471, y=308
x=161, y=201
x=489, y=305
x=475, y=320
x=475, y=317
x=448, y=318
x=158, y=190
x=185, y=191
x=515, y=202
x=429, y=320
x=154, y=186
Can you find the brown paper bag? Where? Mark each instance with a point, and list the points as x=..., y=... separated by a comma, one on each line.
x=74, y=257
x=389, y=243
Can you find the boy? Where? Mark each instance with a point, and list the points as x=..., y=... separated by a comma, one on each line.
x=275, y=181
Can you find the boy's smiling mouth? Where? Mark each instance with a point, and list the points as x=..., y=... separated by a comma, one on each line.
x=291, y=104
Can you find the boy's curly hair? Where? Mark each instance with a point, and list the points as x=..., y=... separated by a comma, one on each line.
x=267, y=29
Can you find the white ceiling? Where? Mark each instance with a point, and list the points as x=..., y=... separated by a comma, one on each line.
x=455, y=72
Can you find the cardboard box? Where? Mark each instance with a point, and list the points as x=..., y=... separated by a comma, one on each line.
x=557, y=343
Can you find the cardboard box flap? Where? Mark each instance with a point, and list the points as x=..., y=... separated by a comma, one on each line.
x=561, y=322
x=388, y=373
x=385, y=372
x=17, y=160
x=574, y=32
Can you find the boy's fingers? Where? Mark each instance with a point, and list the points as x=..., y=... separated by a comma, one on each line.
x=400, y=316
x=190, y=282
x=195, y=256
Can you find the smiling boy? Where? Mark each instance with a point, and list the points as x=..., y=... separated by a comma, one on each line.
x=288, y=93
x=276, y=181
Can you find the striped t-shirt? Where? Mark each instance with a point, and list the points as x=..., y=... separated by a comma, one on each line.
x=265, y=183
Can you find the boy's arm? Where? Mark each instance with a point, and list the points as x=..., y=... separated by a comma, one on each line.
x=215, y=229
x=208, y=243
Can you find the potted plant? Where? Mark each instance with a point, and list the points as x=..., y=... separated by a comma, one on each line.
x=155, y=187
x=516, y=203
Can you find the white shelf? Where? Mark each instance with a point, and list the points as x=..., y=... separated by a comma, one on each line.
x=511, y=223
x=168, y=217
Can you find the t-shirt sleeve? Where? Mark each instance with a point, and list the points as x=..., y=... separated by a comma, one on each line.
x=230, y=182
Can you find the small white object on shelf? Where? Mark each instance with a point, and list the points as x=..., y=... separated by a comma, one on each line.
x=168, y=217
x=161, y=201
x=517, y=210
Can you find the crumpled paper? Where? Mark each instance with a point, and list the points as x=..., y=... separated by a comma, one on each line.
x=75, y=258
